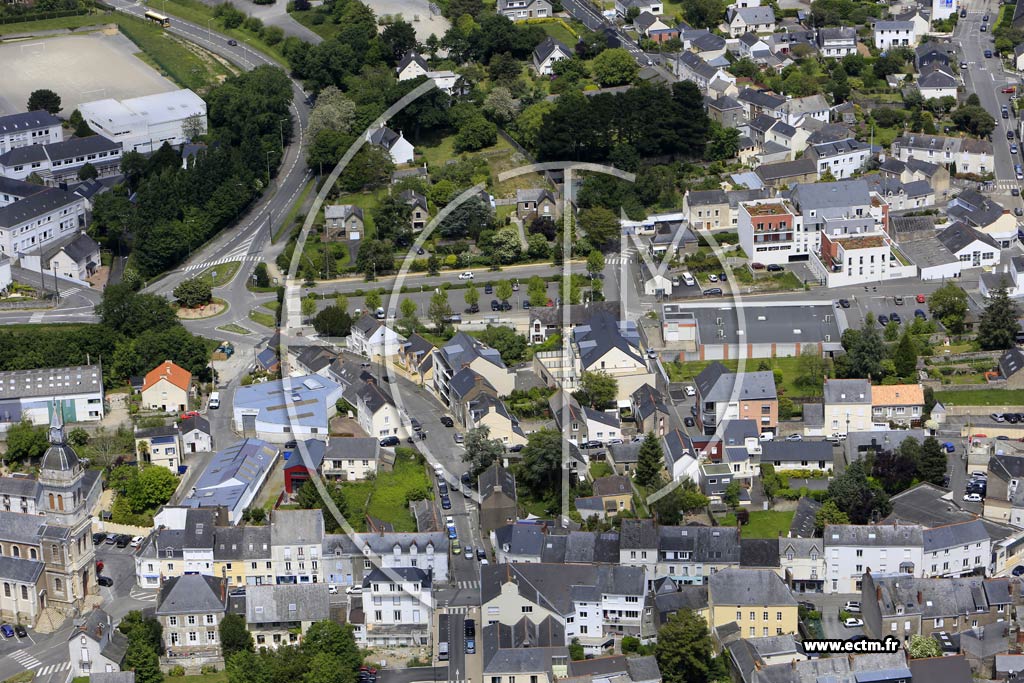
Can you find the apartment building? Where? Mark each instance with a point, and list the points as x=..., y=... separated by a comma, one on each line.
x=769, y=232
x=756, y=600
x=28, y=128
x=296, y=538
x=190, y=609
x=847, y=406
x=39, y=220
x=852, y=550
x=724, y=395
x=397, y=607
x=347, y=560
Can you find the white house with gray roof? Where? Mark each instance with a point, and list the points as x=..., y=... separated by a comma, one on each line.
x=397, y=607
x=750, y=19
x=847, y=405
x=955, y=550
x=347, y=560
x=296, y=537
x=281, y=615
x=372, y=339
x=39, y=220
x=28, y=128
x=852, y=549
x=547, y=53
x=521, y=10
x=890, y=34
x=837, y=42
x=95, y=645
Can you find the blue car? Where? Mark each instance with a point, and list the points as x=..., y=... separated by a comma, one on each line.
x=950, y=448
x=883, y=320
x=452, y=535
x=7, y=630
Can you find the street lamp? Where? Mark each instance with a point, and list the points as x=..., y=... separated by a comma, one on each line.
x=281, y=126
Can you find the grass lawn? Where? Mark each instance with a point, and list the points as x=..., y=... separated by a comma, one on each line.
x=763, y=524
x=199, y=13
x=292, y=212
x=437, y=154
x=27, y=676
x=220, y=274
x=385, y=496
x=261, y=318
x=558, y=32
x=237, y=329
x=62, y=22
x=600, y=469
x=170, y=55
x=985, y=397
x=326, y=30
x=274, y=306
x=885, y=136
x=687, y=371
x=217, y=677
x=500, y=157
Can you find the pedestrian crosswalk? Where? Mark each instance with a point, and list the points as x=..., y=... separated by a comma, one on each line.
x=1007, y=184
x=227, y=259
x=53, y=668
x=468, y=584
x=69, y=291
x=142, y=595
x=25, y=659
x=458, y=610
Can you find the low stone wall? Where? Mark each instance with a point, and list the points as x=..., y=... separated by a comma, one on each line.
x=99, y=525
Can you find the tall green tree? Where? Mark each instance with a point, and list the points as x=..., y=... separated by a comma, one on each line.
x=26, y=441
x=684, y=650
x=481, y=450
x=597, y=390
x=948, y=304
x=372, y=301
x=141, y=658
x=309, y=498
x=905, y=356
x=649, y=463
x=503, y=290
x=439, y=309
x=614, y=67
x=932, y=464
x=861, y=499
x=600, y=225
x=234, y=637
x=595, y=263
x=683, y=498
x=45, y=100
x=193, y=292
x=541, y=468
x=829, y=513
x=999, y=324
x=471, y=295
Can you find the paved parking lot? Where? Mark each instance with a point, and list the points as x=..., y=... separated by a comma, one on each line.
x=829, y=606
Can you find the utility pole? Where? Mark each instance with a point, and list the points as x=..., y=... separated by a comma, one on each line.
x=56, y=285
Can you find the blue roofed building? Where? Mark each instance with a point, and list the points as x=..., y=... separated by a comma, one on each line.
x=286, y=409
x=233, y=477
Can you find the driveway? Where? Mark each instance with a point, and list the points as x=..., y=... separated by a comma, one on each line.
x=829, y=606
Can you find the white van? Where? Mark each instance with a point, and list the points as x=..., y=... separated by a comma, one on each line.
x=689, y=280
x=214, y=400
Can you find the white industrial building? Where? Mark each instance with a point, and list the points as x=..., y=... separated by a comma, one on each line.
x=143, y=124
x=31, y=394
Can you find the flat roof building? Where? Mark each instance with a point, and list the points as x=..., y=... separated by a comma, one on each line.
x=233, y=477
x=30, y=394
x=143, y=124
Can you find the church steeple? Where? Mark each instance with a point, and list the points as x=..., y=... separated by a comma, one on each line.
x=60, y=456
x=57, y=437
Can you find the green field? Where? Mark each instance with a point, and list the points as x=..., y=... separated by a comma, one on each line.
x=326, y=30
x=688, y=370
x=261, y=318
x=385, y=497
x=220, y=274
x=985, y=397
x=170, y=55
x=763, y=524
x=53, y=24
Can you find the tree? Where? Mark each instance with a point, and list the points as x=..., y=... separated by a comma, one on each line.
x=723, y=143
x=505, y=245
x=595, y=263
x=149, y=629
x=862, y=500
x=614, y=67
x=974, y=119
x=375, y=257
x=684, y=650
x=309, y=498
x=923, y=646
x=506, y=341
x=597, y=390
x=905, y=356
x=475, y=134
x=576, y=651
x=828, y=513
x=194, y=126
x=26, y=441
x=262, y=275
x=372, y=301
x=126, y=311
x=500, y=105
x=704, y=13
x=537, y=291
x=393, y=219
x=471, y=295
x=408, y=311
x=193, y=292
x=234, y=637
x=600, y=225
x=87, y=172
x=333, y=111
x=948, y=304
x=307, y=306
x=481, y=450
x=141, y=658
x=895, y=468
x=248, y=667
x=337, y=641
x=439, y=310
x=731, y=496
x=998, y=326
x=45, y=100
x=541, y=468
x=683, y=498
x=503, y=290
x=932, y=464
x=332, y=322
x=398, y=37
x=649, y=461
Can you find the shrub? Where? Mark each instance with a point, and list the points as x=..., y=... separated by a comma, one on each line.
x=212, y=668
x=176, y=671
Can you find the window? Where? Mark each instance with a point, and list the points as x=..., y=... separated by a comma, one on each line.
x=172, y=621
x=209, y=619
x=527, y=609
x=191, y=619
x=193, y=637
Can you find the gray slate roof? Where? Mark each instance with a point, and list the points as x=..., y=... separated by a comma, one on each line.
x=951, y=535
x=847, y=391
x=269, y=604
x=868, y=535
x=748, y=587
x=715, y=384
x=35, y=206
x=192, y=594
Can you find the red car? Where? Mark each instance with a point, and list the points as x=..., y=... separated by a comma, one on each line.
x=920, y=298
x=757, y=266
x=1009, y=89
x=190, y=413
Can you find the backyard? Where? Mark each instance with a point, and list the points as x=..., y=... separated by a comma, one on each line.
x=985, y=397
x=387, y=496
x=686, y=371
x=763, y=523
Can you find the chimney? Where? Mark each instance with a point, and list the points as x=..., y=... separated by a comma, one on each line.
x=99, y=631
x=223, y=590
x=919, y=597
x=878, y=592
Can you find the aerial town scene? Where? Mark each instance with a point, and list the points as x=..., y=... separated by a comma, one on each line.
x=511, y=341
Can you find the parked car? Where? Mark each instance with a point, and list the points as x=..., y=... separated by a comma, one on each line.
x=459, y=438
x=712, y=278
x=722, y=277
x=757, y=266
x=1018, y=570
x=474, y=308
x=20, y=631
x=456, y=547
x=898, y=300
x=998, y=417
x=105, y=581
x=713, y=291
x=950, y=448
x=883, y=320
x=775, y=268
x=447, y=421
x=98, y=539
x=988, y=54
x=794, y=437
x=481, y=554
x=688, y=421
x=895, y=317
x=972, y=498
x=852, y=606
x=488, y=288
x=452, y=533
x=853, y=622
x=136, y=542
x=920, y=298
x=332, y=589
x=123, y=540
x=495, y=306
x=446, y=503
x=390, y=441
x=515, y=448
x=844, y=303
x=7, y=630
x=353, y=590
x=920, y=314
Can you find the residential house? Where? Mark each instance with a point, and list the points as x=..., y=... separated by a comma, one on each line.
x=546, y=321
x=847, y=406
x=377, y=412
x=373, y=339
x=463, y=351
x=837, y=42
x=650, y=412
x=296, y=537
x=726, y=111
x=788, y=173
x=416, y=355
x=709, y=46
x=412, y=66
x=986, y=215
x=680, y=461
x=741, y=20
x=547, y=53
x=885, y=548
x=723, y=395
x=32, y=224
x=190, y=608
x=804, y=563
x=419, y=211
x=971, y=247
x=521, y=10
x=690, y=66
x=498, y=501
x=796, y=455
x=943, y=9
x=902, y=404
x=159, y=446
x=769, y=230
x=614, y=494
x=74, y=257
x=95, y=646
x=890, y=34
x=800, y=109
x=759, y=102
x=398, y=148
x=752, y=47
x=353, y=458
x=342, y=222
x=196, y=436
x=536, y=203
x=281, y=615
x=653, y=28
x=466, y=387
x=840, y=159
x=623, y=457
x=954, y=550
x=622, y=7
x=488, y=411
x=937, y=81
x=167, y=388
x=755, y=599
x=1011, y=362
x=398, y=607
x=706, y=209
x=313, y=359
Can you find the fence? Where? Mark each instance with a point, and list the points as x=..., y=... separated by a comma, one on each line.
x=98, y=525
